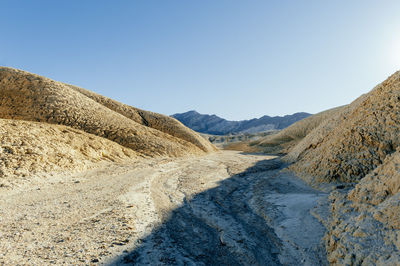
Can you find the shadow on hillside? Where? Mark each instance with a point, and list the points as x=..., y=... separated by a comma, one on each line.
x=214, y=227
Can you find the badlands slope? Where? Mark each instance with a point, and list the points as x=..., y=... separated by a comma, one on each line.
x=287, y=138
x=281, y=142
x=66, y=127
x=33, y=148
x=359, y=146
x=356, y=149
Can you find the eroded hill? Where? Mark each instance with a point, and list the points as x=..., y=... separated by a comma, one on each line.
x=352, y=143
x=48, y=126
x=33, y=148
x=283, y=141
x=286, y=139
x=25, y=96
x=359, y=145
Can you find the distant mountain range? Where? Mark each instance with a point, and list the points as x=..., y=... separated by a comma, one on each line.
x=212, y=124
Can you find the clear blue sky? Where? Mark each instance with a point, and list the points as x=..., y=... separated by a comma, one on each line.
x=236, y=59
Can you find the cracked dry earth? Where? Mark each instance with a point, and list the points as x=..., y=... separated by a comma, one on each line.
x=224, y=208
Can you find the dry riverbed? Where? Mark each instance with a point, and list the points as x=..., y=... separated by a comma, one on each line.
x=224, y=208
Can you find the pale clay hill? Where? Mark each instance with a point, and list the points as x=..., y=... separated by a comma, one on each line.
x=286, y=139
x=26, y=96
x=95, y=128
x=357, y=147
x=359, y=144
x=33, y=148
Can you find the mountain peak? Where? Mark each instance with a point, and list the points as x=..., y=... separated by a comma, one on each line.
x=213, y=124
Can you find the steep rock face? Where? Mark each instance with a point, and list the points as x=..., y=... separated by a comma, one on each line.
x=212, y=124
x=25, y=96
x=355, y=141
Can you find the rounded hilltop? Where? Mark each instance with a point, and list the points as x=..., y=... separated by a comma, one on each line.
x=80, y=123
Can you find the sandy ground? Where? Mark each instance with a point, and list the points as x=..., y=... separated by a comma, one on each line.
x=224, y=208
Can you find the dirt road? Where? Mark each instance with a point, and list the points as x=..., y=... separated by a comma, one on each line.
x=224, y=208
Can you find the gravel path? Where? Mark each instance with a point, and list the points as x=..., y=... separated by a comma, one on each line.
x=224, y=208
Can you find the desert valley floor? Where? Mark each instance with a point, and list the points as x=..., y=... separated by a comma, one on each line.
x=225, y=207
